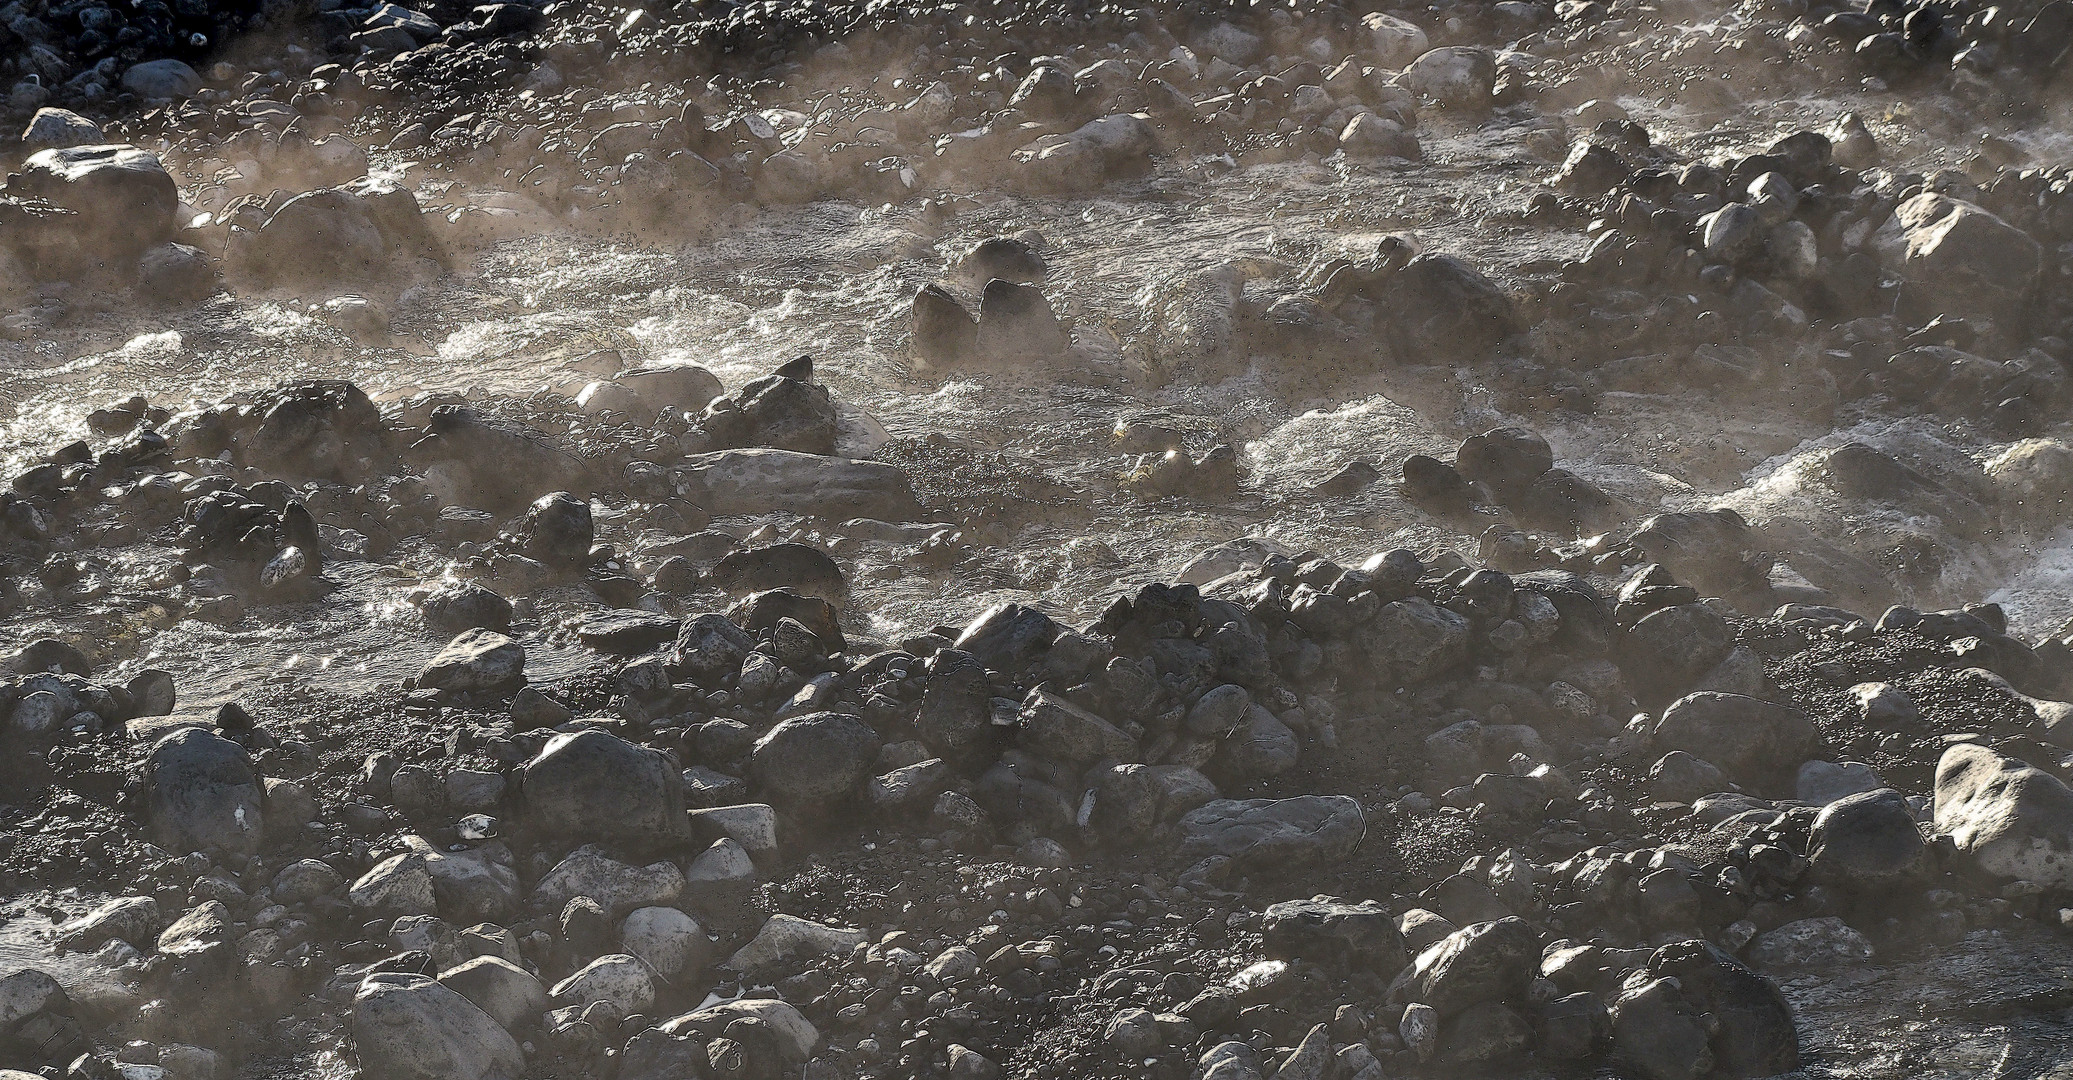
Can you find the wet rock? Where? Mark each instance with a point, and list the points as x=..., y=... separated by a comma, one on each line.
x=1017, y=325
x=361, y=231
x=459, y=606
x=1005, y=258
x=59, y=128
x=124, y=199
x=1962, y=259
x=1489, y=961
x=175, y=274
x=2035, y=477
x=627, y=632
x=789, y=413
x=1444, y=311
x=2013, y=819
x=1754, y=1031
x=412, y=1028
x=592, y=785
x=710, y=649
x=202, y=793
x=1809, y=943
x=1660, y=1033
x=558, y=530
x=161, y=79
x=1304, y=830
x=813, y=762
x=759, y=481
x=476, y=662
x=802, y=568
x=1508, y=459
x=1457, y=76
x=942, y=332
x=131, y=919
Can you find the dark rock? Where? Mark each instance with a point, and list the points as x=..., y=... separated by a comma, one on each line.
x=813, y=762
x=202, y=793
x=594, y=786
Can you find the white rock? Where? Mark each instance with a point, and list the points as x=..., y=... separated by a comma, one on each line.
x=619, y=978
x=665, y=939
x=787, y=938
x=511, y=995
x=796, y=1036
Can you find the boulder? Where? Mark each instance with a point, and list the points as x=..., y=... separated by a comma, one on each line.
x=1457, y=76
x=59, y=128
x=161, y=79
x=813, y=762
x=2013, y=819
x=511, y=995
x=1335, y=934
x=202, y=793
x=619, y=979
x=1867, y=843
x=593, y=785
x=1306, y=830
x=1507, y=459
x=1959, y=259
x=1487, y=961
x=125, y=200
x=667, y=940
x=476, y=662
x=616, y=886
x=1754, y=1034
x=1752, y=741
x=409, y=1027
x=761, y=481
x=786, y=939
x=796, y=1036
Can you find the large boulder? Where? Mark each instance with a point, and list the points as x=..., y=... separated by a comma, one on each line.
x=475, y=662
x=593, y=785
x=1457, y=76
x=1867, y=843
x=314, y=427
x=761, y=481
x=815, y=761
x=161, y=79
x=1488, y=961
x=124, y=198
x=60, y=128
x=409, y=1027
x=202, y=793
x=359, y=232
x=1753, y=1031
x=1960, y=260
x=1357, y=935
x=796, y=1036
x=1751, y=740
x=1445, y=311
x=1306, y=830
x=2013, y=819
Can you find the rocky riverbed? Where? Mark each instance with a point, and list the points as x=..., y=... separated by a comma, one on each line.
x=856, y=542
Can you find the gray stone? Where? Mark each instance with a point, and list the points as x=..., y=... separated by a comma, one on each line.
x=620, y=979
x=476, y=662
x=1823, y=782
x=760, y=481
x=59, y=128
x=409, y=1027
x=667, y=940
x=813, y=762
x=1962, y=259
x=786, y=939
x=1806, y=943
x=1752, y=741
x=511, y=995
x=1299, y=831
x=1489, y=961
x=1056, y=728
x=617, y=887
x=595, y=786
x=161, y=79
x=202, y=792
x=796, y=1036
